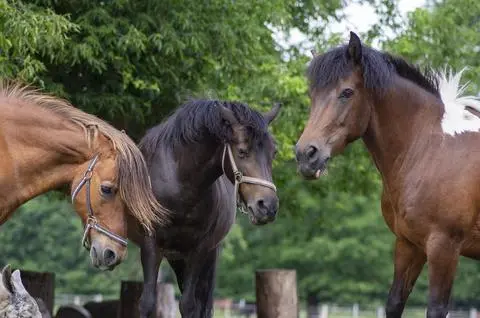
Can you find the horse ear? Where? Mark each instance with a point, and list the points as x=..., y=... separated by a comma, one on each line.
x=355, y=48
x=5, y=286
x=228, y=115
x=272, y=113
x=17, y=285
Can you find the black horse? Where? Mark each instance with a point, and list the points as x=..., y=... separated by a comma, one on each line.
x=204, y=160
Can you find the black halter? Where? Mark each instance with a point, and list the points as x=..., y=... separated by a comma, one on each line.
x=92, y=222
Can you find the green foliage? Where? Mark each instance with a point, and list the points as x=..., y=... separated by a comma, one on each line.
x=30, y=37
x=443, y=36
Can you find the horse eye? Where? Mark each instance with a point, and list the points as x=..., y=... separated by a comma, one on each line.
x=242, y=153
x=106, y=190
x=346, y=93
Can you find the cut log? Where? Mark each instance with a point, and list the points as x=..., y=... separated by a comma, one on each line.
x=276, y=292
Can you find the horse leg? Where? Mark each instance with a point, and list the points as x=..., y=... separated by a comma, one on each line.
x=198, y=285
x=206, y=284
x=409, y=261
x=151, y=259
x=178, y=267
x=442, y=259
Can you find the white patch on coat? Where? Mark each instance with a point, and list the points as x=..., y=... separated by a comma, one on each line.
x=457, y=119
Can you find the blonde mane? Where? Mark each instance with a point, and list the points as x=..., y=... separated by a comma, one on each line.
x=133, y=177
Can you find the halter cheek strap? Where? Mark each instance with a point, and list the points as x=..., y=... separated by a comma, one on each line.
x=92, y=222
x=240, y=178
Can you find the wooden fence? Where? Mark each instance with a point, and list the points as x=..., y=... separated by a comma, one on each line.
x=276, y=297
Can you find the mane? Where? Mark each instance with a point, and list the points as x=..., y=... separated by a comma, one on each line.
x=133, y=178
x=197, y=119
x=378, y=69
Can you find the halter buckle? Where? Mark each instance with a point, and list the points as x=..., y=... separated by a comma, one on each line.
x=89, y=224
x=238, y=175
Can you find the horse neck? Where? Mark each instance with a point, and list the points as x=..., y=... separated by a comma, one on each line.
x=200, y=163
x=41, y=151
x=403, y=122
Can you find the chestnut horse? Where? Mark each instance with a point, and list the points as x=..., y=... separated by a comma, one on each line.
x=422, y=137
x=46, y=143
x=203, y=160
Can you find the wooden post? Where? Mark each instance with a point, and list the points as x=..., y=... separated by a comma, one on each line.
x=40, y=285
x=130, y=293
x=130, y=296
x=276, y=292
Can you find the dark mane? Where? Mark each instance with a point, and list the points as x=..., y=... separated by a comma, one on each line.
x=379, y=69
x=197, y=119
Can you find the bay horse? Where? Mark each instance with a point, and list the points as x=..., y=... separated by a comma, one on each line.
x=47, y=144
x=203, y=160
x=422, y=137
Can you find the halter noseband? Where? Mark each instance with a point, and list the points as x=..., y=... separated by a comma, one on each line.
x=240, y=178
x=92, y=222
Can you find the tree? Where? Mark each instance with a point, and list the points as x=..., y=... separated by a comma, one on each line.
x=30, y=37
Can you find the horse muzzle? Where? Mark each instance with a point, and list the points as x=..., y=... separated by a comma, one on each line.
x=311, y=161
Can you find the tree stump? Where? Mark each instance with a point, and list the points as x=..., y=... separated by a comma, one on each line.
x=40, y=285
x=276, y=292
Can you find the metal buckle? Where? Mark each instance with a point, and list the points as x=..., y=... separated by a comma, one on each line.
x=238, y=175
x=89, y=224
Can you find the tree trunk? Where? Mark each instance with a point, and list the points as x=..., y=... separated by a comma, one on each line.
x=276, y=294
x=40, y=285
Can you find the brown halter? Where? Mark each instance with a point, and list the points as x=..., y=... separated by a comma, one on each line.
x=92, y=222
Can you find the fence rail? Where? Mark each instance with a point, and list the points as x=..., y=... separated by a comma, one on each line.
x=240, y=309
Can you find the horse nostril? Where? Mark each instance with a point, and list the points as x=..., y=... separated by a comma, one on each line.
x=311, y=152
x=268, y=206
x=109, y=257
x=261, y=204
